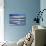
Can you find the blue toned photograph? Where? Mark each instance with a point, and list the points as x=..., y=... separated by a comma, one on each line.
x=17, y=19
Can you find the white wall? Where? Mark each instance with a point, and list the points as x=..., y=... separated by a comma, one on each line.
x=1, y=20
x=43, y=6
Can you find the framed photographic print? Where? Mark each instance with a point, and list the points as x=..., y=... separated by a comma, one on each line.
x=17, y=19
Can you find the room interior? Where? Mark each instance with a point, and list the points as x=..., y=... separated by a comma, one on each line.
x=17, y=34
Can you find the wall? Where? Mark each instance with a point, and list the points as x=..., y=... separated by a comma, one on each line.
x=1, y=20
x=29, y=8
x=42, y=6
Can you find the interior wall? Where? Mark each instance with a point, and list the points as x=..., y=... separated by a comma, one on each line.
x=42, y=6
x=1, y=20
x=29, y=8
